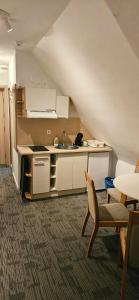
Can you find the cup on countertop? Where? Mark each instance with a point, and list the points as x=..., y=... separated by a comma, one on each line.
x=85, y=143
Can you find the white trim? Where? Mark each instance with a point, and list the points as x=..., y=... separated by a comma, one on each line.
x=15, y=181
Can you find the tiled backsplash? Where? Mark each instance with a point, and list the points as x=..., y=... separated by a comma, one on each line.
x=34, y=131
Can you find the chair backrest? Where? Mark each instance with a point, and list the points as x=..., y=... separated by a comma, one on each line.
x=137, y=167
x=92, y=198
x=132, y=243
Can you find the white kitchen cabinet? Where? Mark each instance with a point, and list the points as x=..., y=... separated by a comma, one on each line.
x=41, y=174
x=98, y=168
x=70, y=171
x=79, y=166
x=40, y=99
x=62, y=107
x=64, y=172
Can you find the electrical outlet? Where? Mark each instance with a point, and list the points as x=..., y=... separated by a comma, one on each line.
x=49, y=131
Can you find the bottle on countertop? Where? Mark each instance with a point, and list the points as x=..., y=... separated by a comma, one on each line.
x=56, y=141
x=64, y=138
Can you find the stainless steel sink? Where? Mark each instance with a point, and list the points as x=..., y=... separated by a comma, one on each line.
x=67, y=147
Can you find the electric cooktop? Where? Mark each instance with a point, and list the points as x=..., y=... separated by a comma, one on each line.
x=38, y=148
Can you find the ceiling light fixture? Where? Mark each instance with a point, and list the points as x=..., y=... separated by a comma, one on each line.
x=9, y=28
x=5, y=17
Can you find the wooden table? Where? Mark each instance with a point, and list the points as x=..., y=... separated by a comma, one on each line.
x=128, y=185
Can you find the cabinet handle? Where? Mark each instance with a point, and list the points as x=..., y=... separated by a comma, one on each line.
x=39, y=164
x=41, y=157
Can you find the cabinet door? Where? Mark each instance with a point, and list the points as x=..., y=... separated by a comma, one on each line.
x=62, y=107
x=41, y=175
x=39, y=99
x=64, y=172
x=78, y=169
x=98, y=168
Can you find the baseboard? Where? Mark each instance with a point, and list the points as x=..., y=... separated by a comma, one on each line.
x=15, y=181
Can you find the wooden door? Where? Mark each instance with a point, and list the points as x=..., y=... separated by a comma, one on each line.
x=79, y=167
x=2, y=130
x=64, y=172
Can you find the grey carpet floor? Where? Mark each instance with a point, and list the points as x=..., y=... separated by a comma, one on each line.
x=42, y=253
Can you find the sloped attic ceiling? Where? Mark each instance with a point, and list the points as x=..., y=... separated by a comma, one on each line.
x=89, y=57
x=126, y=13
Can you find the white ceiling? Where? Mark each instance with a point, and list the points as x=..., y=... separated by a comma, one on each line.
x=32, y=19
x=126, y=13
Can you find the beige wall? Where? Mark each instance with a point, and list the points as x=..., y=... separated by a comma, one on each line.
x=90, y=59
x=29, y=73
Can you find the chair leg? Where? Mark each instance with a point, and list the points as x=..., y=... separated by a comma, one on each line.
x=123, y=283
x=135, y=207
x=108, y=197
x=85, y=222
x=93, y=235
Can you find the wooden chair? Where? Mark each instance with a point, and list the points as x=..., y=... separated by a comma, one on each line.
x=129, y=238
x=105, y=215
x=114, y=193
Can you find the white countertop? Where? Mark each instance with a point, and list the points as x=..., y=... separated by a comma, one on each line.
x=25, y=150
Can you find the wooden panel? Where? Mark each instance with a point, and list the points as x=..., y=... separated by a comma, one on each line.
x=2, y=138
x=34, y=131
x=7, y=127
x=98, y=168
x=64, y=172
x=79, y=167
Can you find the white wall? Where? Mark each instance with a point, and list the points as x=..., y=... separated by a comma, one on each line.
x=90, y=59
x=124, y=168
x=29, y=72
x=12, y=82
x=12, y=70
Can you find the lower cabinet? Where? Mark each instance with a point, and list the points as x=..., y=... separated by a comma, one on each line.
x=41, y=174
x=98, y=168
x=46, y=173
x=70, y=171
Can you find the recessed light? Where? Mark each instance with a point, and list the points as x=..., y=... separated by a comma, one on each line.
x=9, y=30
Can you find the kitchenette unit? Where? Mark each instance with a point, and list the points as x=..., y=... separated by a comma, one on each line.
x=55, y=172
x=42, y=171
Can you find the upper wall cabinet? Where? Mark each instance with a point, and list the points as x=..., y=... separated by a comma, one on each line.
x=40, y=103
x=62, y=107
x=38, y=99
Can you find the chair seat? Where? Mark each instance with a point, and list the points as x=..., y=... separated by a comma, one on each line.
x=114, y=193
x=113, y=212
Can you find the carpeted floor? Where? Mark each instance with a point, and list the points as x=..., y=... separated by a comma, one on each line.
x=42, y=253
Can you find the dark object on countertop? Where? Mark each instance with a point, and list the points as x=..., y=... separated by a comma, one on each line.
x=24, y=185
x=36, y=148
x=78, y=139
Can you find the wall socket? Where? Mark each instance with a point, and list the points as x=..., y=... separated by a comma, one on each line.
x=49, y=131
